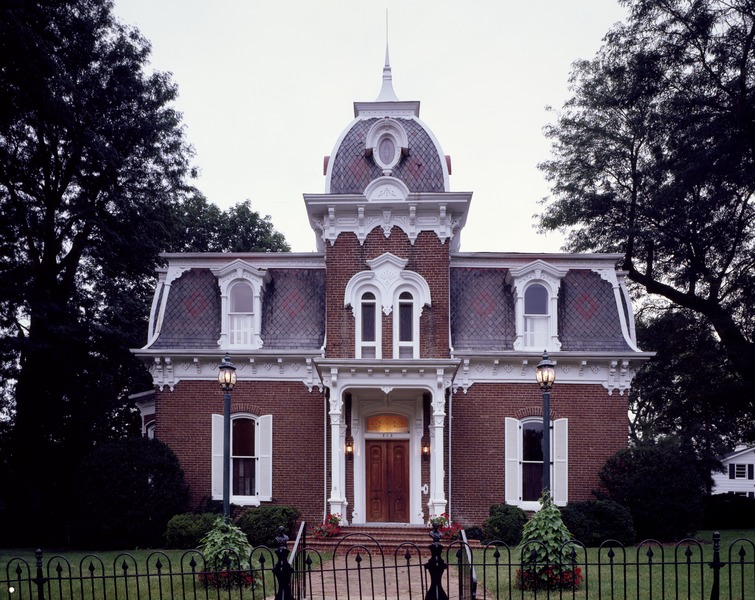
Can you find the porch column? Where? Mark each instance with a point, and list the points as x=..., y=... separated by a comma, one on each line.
x=437, y=503
x=337, y=501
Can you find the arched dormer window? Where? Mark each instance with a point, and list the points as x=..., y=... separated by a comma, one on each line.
x=536, y=316
x=387, y=286
x=536, y=287
x=241, y=289
x=368, y=327
x=241, y=314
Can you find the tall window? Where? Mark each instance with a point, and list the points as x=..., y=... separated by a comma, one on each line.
x=242, y=457
x=532, y=460
x=523, y=448
x=251, y=458
x=368, y=334
x=241, y=314
x=405, y=316
x=536, y=316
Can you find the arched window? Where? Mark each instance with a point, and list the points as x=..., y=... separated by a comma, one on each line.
x=404, y=328
x=241, y=314
x=251, y=458
x=536, y=317
x=369, y=326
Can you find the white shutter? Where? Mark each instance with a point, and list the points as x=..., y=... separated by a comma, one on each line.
x=512, y=475
x=264, y=451
x=560, y=461
x=217, y=457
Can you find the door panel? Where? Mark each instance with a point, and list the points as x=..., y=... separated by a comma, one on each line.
x=387, y=481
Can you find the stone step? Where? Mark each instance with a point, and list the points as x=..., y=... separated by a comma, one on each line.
x=389, y=539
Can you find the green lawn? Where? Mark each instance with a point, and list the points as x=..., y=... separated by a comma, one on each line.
x=645, y=572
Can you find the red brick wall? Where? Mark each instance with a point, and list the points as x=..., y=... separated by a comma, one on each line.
x=597, y=429
x=427, y=257
x=184, y=423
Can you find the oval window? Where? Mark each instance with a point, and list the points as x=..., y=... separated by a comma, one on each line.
x=386, y=150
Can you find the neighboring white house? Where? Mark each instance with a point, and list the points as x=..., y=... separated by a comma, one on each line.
x=739, y=477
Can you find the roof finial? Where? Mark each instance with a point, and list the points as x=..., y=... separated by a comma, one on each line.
x=386, y=91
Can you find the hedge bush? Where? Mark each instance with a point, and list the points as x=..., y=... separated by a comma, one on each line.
x=660, y=485
x=595, y=521
x=261, y=524
x=187, y=530
x=125, y=493
x=729, y=511
x=505, y=524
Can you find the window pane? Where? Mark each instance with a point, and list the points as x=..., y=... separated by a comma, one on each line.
x=532, y=481
x=242, y=437
x=241, y=328
x=405, y=325
x=243, y=477
x=536, y=300
x=368, y=321
x=532, y=441
x=242, y=298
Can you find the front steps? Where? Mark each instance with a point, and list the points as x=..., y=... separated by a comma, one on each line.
x=387, y=537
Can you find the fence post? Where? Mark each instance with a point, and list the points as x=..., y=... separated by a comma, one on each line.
x=716, y=565
x=282, y=569
x=435, y=567
x=40, y=580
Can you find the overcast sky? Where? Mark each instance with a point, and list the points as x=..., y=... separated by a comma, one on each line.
x=266, y=88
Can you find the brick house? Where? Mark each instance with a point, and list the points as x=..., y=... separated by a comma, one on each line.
x=389, y=376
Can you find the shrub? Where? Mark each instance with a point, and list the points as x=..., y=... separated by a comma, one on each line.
x=227, y=552
x=660, y=485
x=124, y=493
x=474, y=533
x=505, y=524
x=186, y=531
x=729, y=511
x=261, y=524
x=546, y=534
x=596, y=521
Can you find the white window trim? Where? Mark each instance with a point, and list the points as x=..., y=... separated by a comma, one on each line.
x=416, y=311
x=360, y=343
x=393, y=130
x=263, y=449
x=550, y=278
x=387, y=279
x=559, y=463
x=232, y=273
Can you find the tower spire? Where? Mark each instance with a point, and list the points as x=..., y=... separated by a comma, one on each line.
x=386, y=91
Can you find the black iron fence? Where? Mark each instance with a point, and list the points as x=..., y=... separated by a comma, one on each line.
x=358, y=568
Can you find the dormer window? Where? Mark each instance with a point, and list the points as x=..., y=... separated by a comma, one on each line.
x=536, y=316
x=241, y=290
x=385, y=142
x=536, y=287
x=241, y=314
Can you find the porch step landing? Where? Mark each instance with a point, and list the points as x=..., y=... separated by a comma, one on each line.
x=388, y=537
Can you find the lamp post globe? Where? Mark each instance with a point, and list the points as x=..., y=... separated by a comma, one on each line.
x=545, y=374
x=227, y=381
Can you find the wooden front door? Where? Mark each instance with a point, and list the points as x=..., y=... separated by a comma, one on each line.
x=387, y=481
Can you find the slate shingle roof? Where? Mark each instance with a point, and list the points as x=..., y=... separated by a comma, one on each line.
x=482, y=310
x=588, y=317
x=293, y=312
x=352, y=171
x=192, y=313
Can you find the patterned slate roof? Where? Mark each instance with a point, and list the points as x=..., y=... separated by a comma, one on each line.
x=192, y=313
x=293, y=312
x=352, y=171
x=482, y=310
x=588, y=318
